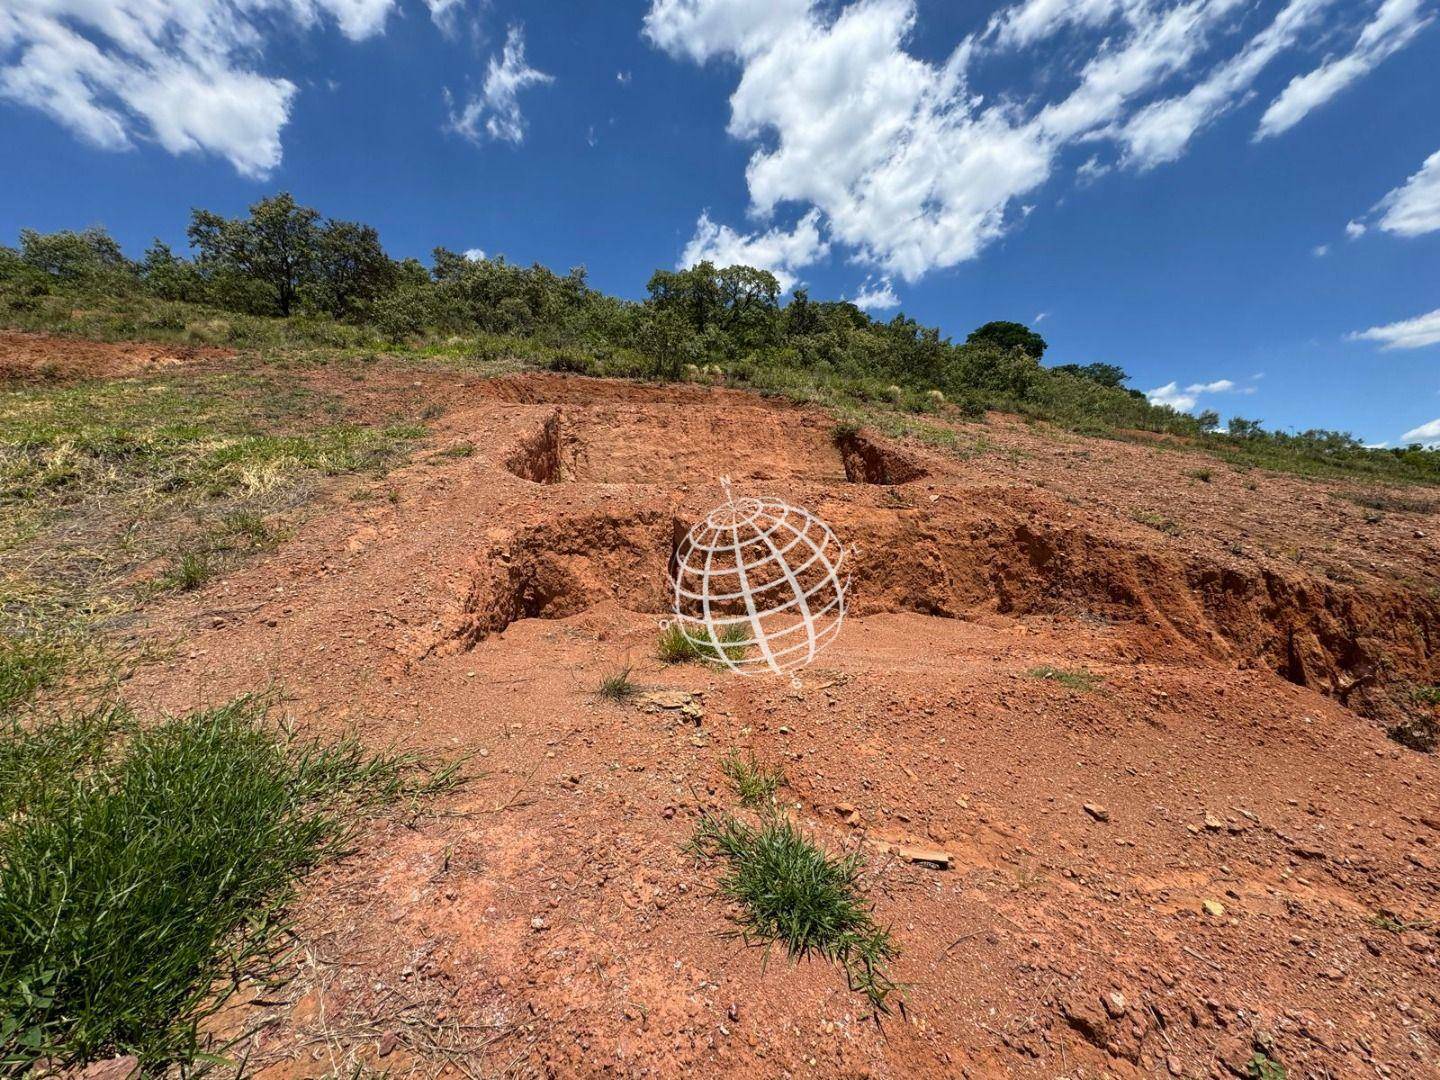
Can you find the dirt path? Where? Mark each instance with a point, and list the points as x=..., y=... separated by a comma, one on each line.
x=548, y=922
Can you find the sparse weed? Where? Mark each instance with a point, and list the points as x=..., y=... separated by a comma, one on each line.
x=791, y=890
x=1074, y=679
x=617, y=686
x=1156, y=521
x=756, y=784
x=1203, y=475
x=27, y=666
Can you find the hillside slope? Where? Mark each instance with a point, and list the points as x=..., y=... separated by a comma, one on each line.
x=1138, y=698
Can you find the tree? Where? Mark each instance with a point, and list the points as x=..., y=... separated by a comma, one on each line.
x=275, y=246
x=1241, y=428
x=692, y=294
x=73, y=256
x=1111, y=375
x=1208, y=420
x=350, y=269
x=1008, y=335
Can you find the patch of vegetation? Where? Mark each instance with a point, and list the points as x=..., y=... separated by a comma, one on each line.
x=1073, y=679
x=103, y=483
x=144, y=870
x=617, y=686
x=1202, y=475
x=27, y=666
x=283, y=277
x=756, y=784
x=790, y=890
x=191, y=570
x=1155, y=521
x=1263, y=1067
x=1392, y=502
x=1392, y=923
x=1416, y=732
x=677, y=647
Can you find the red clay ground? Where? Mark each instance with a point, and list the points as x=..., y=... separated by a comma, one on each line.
x=547, y=922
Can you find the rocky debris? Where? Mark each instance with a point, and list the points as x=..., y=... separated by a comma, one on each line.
x=1096, y=811
x=686, y=704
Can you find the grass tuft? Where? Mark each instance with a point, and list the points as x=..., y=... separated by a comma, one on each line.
x=756, y=784
x=191, y=570
x=144, y=870
x=1075, y=679
x=617, y=686
x=677, y=647
x=27, y=666
x=790, y=890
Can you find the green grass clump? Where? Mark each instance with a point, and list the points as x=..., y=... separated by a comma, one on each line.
x=756, y=784
x=790, y=890
x=676, y=647
x=191, y=570
x=144, y=870
x=1074, y=679
x=617, y=686
x=27, y=666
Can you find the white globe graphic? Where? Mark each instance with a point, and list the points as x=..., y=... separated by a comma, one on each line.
x=758, y=586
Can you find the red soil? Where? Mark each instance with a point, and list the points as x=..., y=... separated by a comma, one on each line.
x=42, y=358
x=546, y=920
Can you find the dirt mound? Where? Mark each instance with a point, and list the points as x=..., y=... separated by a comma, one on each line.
x=42, y=358
x=1141, y=712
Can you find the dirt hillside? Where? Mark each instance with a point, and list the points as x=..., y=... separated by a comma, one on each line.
x=1203, y=848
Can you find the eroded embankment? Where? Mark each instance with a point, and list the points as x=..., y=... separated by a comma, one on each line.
x=975, y=549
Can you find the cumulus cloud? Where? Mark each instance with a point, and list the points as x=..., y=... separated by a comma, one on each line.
x=1413, y=333
x=876, y=296
x=1184, y=400
x=474, y=254
x=1429, y=434
x=175, y=72
x=1414, y=207
x=1394, y=26
x=911, y=165
x=1320, y=250
x=495, y=111
x=1354, y=229
x=780, y=251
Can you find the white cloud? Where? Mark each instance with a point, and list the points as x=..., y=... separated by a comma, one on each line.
x=1354, y=229
x=911, y=167
x=1395, y=24
x=876, y=296
x=1184, y=400
x=1320, y=250
x=780, y=252
x=446, y=13
x=1413, y=333
x=497, y=107
x=1160, y=132
x=1414, y=207
x=1042, y=316
x=175, y=72
x=623, y=78
x=474, y=254
x=1425, y=433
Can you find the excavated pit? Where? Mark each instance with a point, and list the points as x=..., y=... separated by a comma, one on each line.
x=548, y=455
x=1005, y=552
x=869, y=461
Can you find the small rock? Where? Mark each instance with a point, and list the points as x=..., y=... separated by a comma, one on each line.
x=1416, y=941
x=1115, y=1004
x=539, y=923
x=1096, y=811
x=120, y=1068
x=1212, y=822
x=388, y=1042
x=1214, y=908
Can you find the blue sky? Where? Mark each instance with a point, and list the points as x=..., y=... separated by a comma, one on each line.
x=1238, y=202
